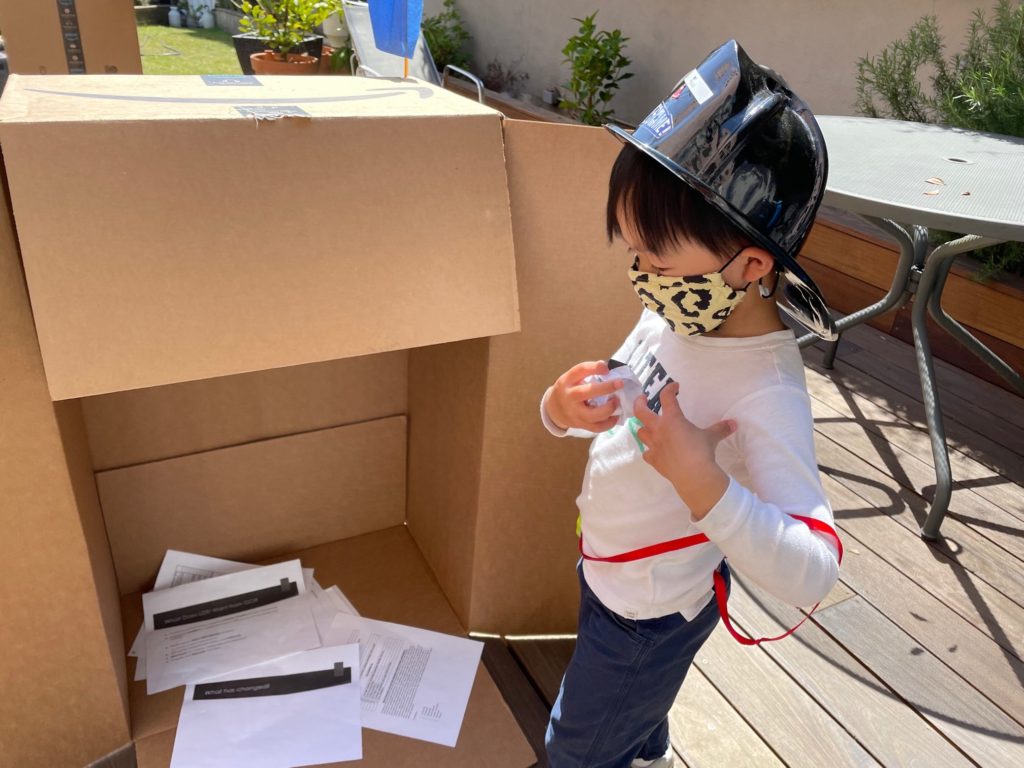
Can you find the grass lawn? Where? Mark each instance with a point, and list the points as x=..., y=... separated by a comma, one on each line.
x=170, y=51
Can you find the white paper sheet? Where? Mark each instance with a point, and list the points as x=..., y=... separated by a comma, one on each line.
x=335, y=595
x=180, y=568
x=185, y=567
x=414, y=682
x=167, y=578
x=221, y=624
x=273, y=731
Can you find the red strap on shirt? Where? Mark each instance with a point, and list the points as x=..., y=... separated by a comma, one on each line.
x=721, y=595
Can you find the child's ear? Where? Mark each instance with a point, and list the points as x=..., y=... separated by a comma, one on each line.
x=757, y=263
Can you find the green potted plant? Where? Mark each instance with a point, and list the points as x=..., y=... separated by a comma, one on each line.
x=598, y=67
x=277, y=35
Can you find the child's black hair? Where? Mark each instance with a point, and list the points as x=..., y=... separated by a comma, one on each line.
x=665, y=211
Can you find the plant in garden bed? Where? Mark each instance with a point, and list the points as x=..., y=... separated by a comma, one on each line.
x=446, y=36
x=598, y=67
x=981, y=88
x=284, y=26
x=502, y=79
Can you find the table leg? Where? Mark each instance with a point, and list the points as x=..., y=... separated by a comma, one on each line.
x=929, y=290
x=965, y=337
x=912, y=242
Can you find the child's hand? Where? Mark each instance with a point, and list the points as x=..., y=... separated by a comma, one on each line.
x=682, y=452
x=566, y=400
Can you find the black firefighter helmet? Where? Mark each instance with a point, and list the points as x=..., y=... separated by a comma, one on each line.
x=737, y=134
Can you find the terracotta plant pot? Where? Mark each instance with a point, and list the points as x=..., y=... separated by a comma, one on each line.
x=325, y=63
x=270, y=63
x=248, y=44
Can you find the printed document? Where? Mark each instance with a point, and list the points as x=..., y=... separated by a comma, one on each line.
x=414, y=682
x=221, y=624
x=302, y=709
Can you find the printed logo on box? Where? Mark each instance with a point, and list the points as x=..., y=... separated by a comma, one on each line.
x=230, y=80
x=70, y=33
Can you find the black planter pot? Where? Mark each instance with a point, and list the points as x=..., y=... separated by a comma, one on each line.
x=248, y=44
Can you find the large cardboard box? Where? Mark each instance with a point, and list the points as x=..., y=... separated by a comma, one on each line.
x=70, y=37
x=266, y=318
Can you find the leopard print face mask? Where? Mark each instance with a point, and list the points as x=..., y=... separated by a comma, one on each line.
x=691, y=305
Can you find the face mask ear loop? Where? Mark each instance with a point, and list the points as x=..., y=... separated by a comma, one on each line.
x=731, y=260
x=765, y=293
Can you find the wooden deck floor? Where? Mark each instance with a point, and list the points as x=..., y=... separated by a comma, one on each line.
x=915, y=659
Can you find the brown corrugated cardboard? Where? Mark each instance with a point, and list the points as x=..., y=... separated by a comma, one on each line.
x=57, y=661
x=256, y=500
x=148, y=281
x=385, y=577
x=576, y=303
x=70, y=37
x=161, y=422
x=447, y=386
x=490, y=493
x=83, y=483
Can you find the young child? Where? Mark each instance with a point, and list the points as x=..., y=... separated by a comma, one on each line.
x=713, y=196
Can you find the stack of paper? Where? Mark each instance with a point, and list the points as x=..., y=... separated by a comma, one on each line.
x=281, y=672
x=192, y=584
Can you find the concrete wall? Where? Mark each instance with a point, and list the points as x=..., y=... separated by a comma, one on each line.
x=814, y=45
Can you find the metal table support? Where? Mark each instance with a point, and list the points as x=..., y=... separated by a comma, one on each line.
x=925, y=275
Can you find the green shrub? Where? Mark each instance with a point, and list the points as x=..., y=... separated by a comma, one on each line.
x=284, y=24
x=980, y=88
x=598, y=67
x=446, y=37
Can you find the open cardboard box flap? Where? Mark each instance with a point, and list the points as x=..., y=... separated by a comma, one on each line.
x=486, y=494
x=181, y=228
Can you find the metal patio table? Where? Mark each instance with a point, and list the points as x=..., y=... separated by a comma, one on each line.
x=906, y=179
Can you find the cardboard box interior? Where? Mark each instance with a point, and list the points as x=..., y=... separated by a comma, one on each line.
x=421, y=482
x=70, y=37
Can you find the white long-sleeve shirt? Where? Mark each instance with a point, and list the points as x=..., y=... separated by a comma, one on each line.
x=625, y=504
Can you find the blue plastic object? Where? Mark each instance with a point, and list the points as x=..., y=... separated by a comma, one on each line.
x=396, y=25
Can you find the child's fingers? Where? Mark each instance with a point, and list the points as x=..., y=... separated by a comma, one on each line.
x=718, y=432
x=605, y=425
x=644, y=436
x=580, y=371
x=647, y=417
x=593, y=389
x=669, y=398
x=600, y=413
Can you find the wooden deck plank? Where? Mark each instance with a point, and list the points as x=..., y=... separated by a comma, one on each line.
x=545, y=660
x=967, y=473
x=522, y=698
x=969, y=404
x=843, y=451
x=890, y=730
x=974, y=724
x=791, y=723
x=984, y=606
x=973, y=394
x=994, y=671
x=959, y=437
x=912, y=473
x=707, y=732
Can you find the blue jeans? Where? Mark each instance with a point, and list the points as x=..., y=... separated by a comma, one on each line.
x=621, y=683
